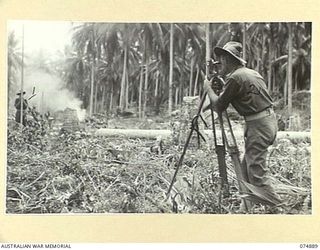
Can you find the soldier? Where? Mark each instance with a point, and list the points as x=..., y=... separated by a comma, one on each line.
x=246, y=90
x=17, y=105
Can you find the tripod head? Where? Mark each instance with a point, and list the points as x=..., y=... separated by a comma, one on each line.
x=212, y=67
x=214, y=76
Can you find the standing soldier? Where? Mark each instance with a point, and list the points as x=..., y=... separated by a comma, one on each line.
x=17, y=105
x=246, y=90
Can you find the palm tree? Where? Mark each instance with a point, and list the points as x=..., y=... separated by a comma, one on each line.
x=289, y=76
x=129, y=55
x=76, y=75
x=127, y=35
x=194, y=52
x=151, y=42
x=108, y=40
x=147, y=38
x=84, y=40
x=170, y=96
x=14, y=64
x=208, y=46
x=301, y=55
x=187, y=46
x=158, y=66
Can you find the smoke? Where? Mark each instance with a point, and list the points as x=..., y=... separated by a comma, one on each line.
x=51, y=95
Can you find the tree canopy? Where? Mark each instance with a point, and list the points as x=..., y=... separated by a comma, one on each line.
x=152, y=66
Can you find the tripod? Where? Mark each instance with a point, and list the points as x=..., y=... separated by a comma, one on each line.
x=220, y=148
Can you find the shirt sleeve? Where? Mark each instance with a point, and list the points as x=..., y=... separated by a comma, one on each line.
x=231, y=91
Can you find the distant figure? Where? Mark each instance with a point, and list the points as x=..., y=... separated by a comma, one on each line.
x=49, y=118
x=35, y=114
x=17, y=105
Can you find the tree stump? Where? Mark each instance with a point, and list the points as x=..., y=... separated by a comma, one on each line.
x=70, y=121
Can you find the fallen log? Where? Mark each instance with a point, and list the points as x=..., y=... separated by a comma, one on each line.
x=155, y=133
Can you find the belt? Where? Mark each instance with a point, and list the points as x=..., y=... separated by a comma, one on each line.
x=259, y=115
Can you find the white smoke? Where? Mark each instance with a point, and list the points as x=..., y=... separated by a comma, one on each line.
x=51, y=95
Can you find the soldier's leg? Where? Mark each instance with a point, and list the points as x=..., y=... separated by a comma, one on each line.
x=261, y=134
x=17, y=118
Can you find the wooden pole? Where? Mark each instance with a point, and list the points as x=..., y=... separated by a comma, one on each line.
x=22, y=77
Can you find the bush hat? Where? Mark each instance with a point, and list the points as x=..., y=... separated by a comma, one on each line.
x=232, y=48
x=19, y=93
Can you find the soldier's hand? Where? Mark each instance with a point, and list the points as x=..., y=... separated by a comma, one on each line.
x=207, y=85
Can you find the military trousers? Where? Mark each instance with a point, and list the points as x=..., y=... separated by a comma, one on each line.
x=258, y=135
x=24, y=117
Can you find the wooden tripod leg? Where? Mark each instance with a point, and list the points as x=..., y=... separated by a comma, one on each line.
x=221, y=154
x=185, y=147
x=235, y=157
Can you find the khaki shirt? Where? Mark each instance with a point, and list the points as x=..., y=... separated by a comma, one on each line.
x=246, y=90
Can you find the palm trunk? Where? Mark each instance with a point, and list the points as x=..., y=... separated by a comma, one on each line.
x=290, y=70
x=263, y=55
x=244, y=40
x=95, y=99
x=145, y=99
x=191, y=75
x=285, y=91
x=181, y=95
x=170, y=71
x=103, y=98
x=258, y=65
x=123, y=81
x=156, y=88
x=127, y=91
x=208, y=47
x=111, y=98
x=131, y=94
x=273, y=79
x=195, y=91
x=140, y=91
x=176, y=97
x=270, y=67
x=91, y=88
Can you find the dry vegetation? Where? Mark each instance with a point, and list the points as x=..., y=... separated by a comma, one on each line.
x=81, y=173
